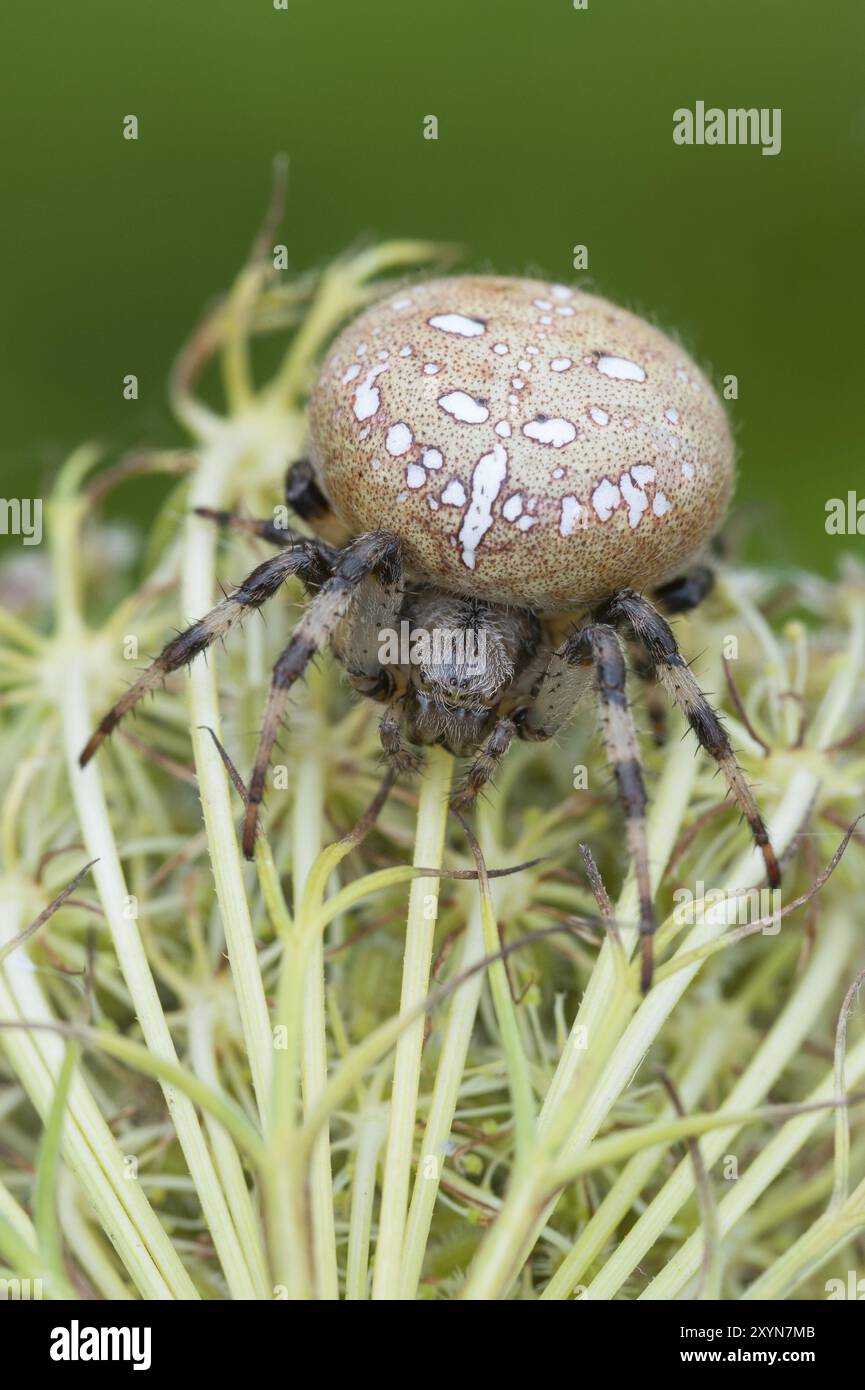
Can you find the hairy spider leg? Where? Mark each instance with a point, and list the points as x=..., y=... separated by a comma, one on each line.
x=377, y=552
x=657, y=637
x=600, y=643
x=305, y=558
x=486, y=764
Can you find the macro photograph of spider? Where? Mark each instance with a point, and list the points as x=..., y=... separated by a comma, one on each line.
x=432, y=673
x=411, y=425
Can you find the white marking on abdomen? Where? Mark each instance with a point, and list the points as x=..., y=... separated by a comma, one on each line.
x=415, y=475
x=457, y=323
x=464, y=407
x=634, y=497
x=620, y=368
x=554, y=432
x=605, y=498
x=489, y=474
x=571, y=509
x=367, y=398
x=399, y=439
x=454, y=494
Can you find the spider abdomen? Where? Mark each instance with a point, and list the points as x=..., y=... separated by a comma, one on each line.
x=528, y=443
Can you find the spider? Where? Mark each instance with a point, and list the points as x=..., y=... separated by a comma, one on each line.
x=522, y=469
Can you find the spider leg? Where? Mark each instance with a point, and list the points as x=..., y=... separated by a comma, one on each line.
x=398, y=754
x=486, y=764
x=678, y=595
x=675, y=675
x=262, y=527
x=561, y=687
x=600, y=644
x=304, y=497
x=305, y=558
x=377, y=552
x=656, y=704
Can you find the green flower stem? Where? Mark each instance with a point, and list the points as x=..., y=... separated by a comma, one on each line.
x=15, y=1216
x=568, y=1113
x=773, y=1159
x=796, y=1194
x=577, y=1117
x=420, y=930
x=506, y=1017
x=619, y=1200
x=455, y=1046
x=18, y=1255
x=224, y=1109
x=88, y=1245
x=288, y=1151
x=832, y=712
x=665, y=822
x=47, y=1168
x=372, y=1131
x=783, y=1041
x=202, y=1054
x=307, y=836
x=830, y=1233
x=604, y=1010
x=89, y=1147
x=803, y=786
x=209, y=487
x=98, y=837
x=621, y=1144
x=654, y=1010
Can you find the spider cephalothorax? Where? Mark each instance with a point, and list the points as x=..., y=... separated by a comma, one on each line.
x=500, y=470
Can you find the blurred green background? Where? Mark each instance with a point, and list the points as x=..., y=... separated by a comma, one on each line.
x=555, y=128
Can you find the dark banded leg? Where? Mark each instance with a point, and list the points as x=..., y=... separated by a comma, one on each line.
x=679, y=595
x=599, y=643
x=397, y=753
x=306, y=559
x=378, y=552
x=655, y=634
x=656, y=704
x=486, y=764
x=263, y=528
